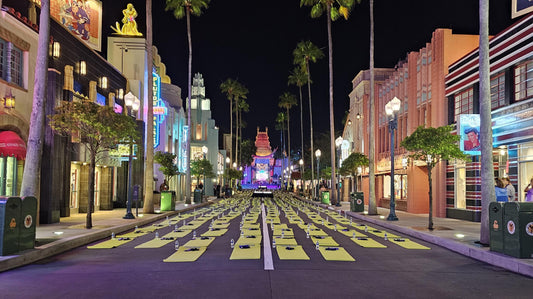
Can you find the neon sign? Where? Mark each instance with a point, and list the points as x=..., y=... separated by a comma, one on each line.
x=182, y=163
x=159, y=109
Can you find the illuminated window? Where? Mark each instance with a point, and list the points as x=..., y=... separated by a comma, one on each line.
x=82, y=68
x=497, y=91
x=56, y=49
x=523, y=81
x=198, y=132
x=464, y=103
x=103, y=82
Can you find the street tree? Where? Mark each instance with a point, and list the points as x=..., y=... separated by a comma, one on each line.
x=286, y=101
x=235, y=91
x=352, y=163
x=148, y=206
x=96, y=127
x=298, y=77
x=184, y=8
x=305, y=53
x=242, y=106
x=248, y=150
x=433, y=145
x=334, y=10
x=202, y=167
x=232, y=174
x=32, y=167
x=280, y=125
x=168, y=167
x=487, y=169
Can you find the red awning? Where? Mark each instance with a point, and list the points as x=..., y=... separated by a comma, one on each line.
x=12, y=145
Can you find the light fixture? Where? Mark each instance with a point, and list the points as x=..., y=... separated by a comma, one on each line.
x=121, y=93
x=234, y=164
x=82, y=67
x=228, y=160
x=56, y=49
x=136, y=105
x=103, y=82
x=9, y=100
x=349, y=122
x=358, y=116
x=128, y=99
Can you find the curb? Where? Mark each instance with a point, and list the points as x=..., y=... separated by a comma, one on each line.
x=66, y=244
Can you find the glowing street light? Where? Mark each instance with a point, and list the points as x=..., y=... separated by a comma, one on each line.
x=392, y=108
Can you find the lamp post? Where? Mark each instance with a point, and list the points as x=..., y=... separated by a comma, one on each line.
x=318, y=153
x=392, y=108
x=338, y=143
x=132, y=105
x=301, y=162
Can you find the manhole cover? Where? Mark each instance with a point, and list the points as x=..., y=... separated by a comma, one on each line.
x=425, y=228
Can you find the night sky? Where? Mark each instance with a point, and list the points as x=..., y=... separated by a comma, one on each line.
x=253, y=42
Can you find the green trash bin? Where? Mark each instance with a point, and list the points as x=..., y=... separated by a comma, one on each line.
x=357, y=202
x=325, y=197
x=197, y=195
x=518, y=230
x=496, y=226
x=168, y=201
x=9, y=225
x=28, y=216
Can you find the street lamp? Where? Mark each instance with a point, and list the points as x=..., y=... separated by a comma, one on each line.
x=392, y=108
x=301, y=162
x=338, y=143
x=318, y=153
x=132, y=105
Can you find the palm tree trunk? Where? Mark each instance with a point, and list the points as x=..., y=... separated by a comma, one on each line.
x=236, y=130
x=289, y=147
x=311, y=129
x=372, y=207
x=301, y=129
x=230, y=128
x=487, y=170
x=149, y=168
x=189, y=91
x=30, y=178
x=331, y=117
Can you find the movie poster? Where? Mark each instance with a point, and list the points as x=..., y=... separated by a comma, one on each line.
x=83, y=18
x=469, y=132
x=521, y=7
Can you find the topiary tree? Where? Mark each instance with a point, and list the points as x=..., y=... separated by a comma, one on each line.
x=352, y=163
x=202, y=167
x=168, y=167
x=433, y=145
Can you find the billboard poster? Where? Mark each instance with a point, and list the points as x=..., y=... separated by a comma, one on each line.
x=469, y=132
x=82, y=18
x=521, y=7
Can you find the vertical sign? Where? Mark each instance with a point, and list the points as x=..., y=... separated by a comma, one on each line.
x=155, y=98
x=469, y=132
x=182, y=163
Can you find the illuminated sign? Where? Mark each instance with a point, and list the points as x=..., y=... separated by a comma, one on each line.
x=159, y=109
x=182, y=165
x=469, y=132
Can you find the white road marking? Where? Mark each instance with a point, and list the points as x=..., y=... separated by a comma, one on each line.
x=267, y=251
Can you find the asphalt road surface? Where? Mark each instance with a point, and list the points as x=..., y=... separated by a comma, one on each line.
x=391, y=272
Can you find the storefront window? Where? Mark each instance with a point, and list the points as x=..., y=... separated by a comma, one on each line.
x=525, y=167
x=460, y=185
x=8, y=176
x=523, y=81
x=400, y=186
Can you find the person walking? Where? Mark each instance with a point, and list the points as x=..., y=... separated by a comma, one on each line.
x=511, y=191
x=501, y=192
x=529, y=191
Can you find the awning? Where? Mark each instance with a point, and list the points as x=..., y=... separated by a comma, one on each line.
x=12, y=145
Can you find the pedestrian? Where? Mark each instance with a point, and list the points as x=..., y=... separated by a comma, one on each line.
x=529, y=191
x=163, y=186
x=501, y=192
x=511, y=191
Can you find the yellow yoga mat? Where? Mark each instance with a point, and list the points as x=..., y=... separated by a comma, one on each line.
x=295, y=220
x=406, y=243
x=291, y=252
x=317, y=232
x=336, y=254
x=381, y=233
x=134, y=234
x=200, y=242
x=283, y=231
x=274, y=220
x=215, y=232
x=304, y=226
x=220, y=225
x=190, y=226
x=251, y=231
x=156, y=243
x=350, y=233
x=186, y=254
x=178, y=234
x=280, y=226
x=243, y=240
x=324, y=241
x=367, y=242
x=332, y=226
x=246, y=252
x=285, y=241
x=111, y=243
x=251, y=225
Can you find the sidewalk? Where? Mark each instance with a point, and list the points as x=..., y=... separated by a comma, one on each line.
x=52, y=239
x=456, y=235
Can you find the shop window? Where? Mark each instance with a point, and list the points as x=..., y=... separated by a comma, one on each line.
x=400, y=186
x=11, y=63
x=525, y=167
x=523, y=81
x=497, y=91
x=8, y=176
x=460, y=185
x=464, y=103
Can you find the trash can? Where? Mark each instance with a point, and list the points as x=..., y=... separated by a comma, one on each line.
x=357, y=202
x=168, y=201
x=325, y=197
x=518, y=230
x=28, y=216
x=496, y=226
x=9, y=225
x=197, y=195
x=228, y=192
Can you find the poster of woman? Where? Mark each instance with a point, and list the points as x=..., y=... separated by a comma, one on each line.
x=469, y=130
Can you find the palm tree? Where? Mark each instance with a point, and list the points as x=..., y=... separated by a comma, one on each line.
x=184, y=8
x=332, y=14
x=280, y=125
x=30, y=178
x=372, y=206
x=304, y=53
x=148, y=206
x=487, y=170
x=298, y=77
x=243, y=107
x=234, y=91
x=287, y=100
